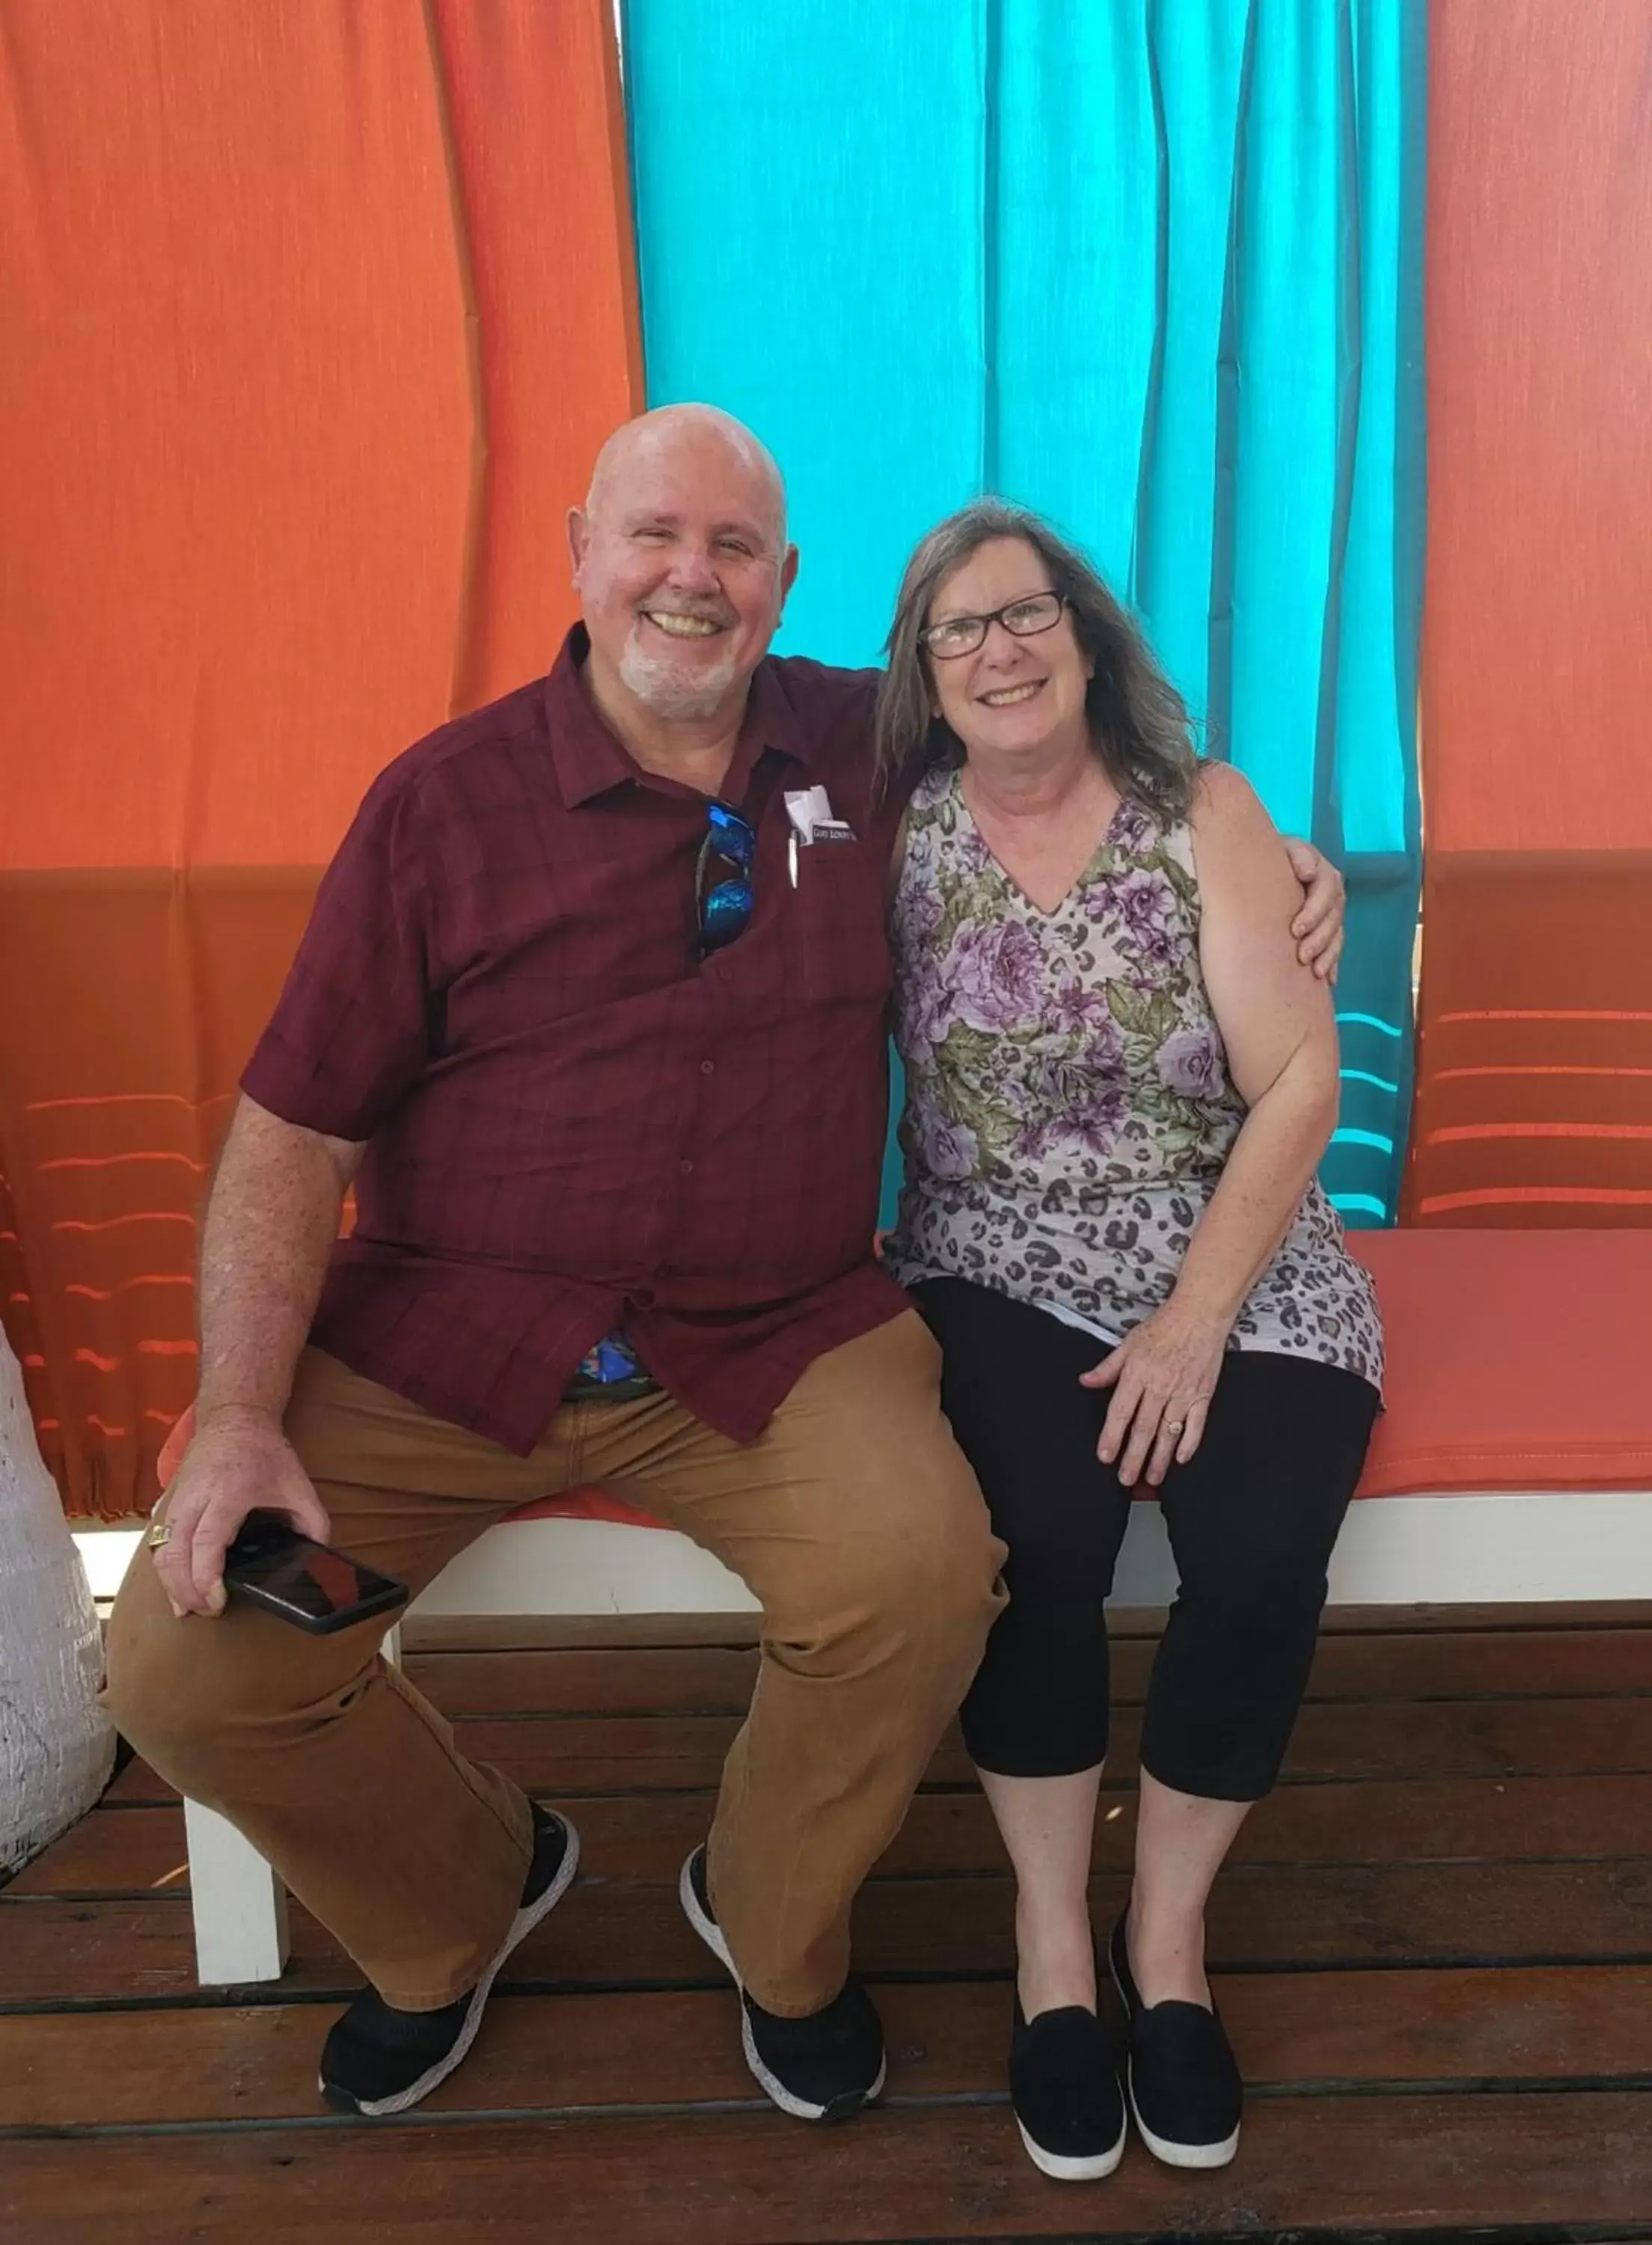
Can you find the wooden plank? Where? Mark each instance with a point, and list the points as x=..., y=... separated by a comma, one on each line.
x=112, y=1850
x=1282, y=1915
x=493, y=1633
x=642, y=1838
x=1541, y=1614
x=568, y=2051
x=667, y=2047
x=755, y=2179
x=1469, y=1738
x=717, y=1680
x=650, y=1680
x=540, y=1633
x=1558, y=1664
x=607, y=1934
x=1512, y=1821
x=529, y=1632
x=1353, y=1742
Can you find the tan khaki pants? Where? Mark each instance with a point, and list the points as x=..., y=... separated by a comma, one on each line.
x=854, y=1520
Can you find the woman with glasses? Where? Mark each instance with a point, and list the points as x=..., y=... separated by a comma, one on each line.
x=1119, y=1081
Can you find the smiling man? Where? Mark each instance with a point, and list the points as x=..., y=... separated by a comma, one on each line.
x=591, y=1013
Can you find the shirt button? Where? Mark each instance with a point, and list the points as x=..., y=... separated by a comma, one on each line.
x=685, y=1169
x=707, y=1067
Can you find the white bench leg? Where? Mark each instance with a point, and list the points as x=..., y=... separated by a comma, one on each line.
x=239, y=1905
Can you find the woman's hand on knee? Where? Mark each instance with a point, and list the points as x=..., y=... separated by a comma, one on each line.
x=1163, y=1376
x=237, y=1463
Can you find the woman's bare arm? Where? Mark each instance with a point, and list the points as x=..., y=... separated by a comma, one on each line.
x=1276, y=1018
x=1276, y=1021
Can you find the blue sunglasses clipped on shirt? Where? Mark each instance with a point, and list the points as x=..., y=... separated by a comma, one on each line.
x=725, y=907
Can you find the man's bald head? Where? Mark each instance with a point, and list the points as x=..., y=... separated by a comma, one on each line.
x=681, y=564
x=705, y=432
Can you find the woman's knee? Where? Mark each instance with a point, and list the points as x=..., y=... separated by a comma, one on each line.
x=1256, y=1594
x=1255, y=1558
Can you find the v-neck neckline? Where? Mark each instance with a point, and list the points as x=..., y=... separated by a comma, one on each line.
x=1080, y=880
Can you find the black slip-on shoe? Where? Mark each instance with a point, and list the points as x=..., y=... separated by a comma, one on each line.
x=1185, y=2089
x=376, y=2060
x=1064, y=2087
x=823, y=2067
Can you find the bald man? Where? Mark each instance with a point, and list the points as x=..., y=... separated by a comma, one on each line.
x=591, y=1015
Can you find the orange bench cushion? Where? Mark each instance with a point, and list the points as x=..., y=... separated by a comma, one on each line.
x=1516, y=1359
x=587, y=1504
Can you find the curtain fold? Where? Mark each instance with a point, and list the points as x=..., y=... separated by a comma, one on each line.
x=1154, y=269
x=316, y=318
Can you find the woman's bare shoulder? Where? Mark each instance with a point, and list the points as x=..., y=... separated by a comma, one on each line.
x=1222, y=795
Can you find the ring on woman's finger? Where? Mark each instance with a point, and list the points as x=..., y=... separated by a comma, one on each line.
x=1174, y=1426
x=156, y=1534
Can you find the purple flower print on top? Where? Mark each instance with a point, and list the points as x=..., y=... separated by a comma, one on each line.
x=995, y=972
x=925, y=1006
x=1080, y=1007
x=1139, y=908
x=1098, y=1122
x=947, y=1149
x=1189, y=1062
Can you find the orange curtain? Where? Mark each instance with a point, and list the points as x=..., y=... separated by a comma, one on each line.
x=316, y=316
x=1535, y=1074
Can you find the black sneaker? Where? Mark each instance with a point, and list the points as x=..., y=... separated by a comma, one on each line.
x=376, y=2060
x=1185, y=2089
x=1064, y=2086
x=823, y=2067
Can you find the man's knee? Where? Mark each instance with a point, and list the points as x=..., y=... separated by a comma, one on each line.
x=152, y=1688
x=904, y=1582
x=187, y=1693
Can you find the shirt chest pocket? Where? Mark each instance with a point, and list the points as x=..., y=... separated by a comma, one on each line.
x=839, y=944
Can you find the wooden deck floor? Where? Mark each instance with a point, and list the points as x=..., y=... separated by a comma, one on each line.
x=1435, y=1956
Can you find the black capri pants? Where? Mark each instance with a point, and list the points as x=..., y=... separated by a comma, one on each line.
x=1252, y=1517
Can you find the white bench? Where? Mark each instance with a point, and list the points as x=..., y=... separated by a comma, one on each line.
x=1514, y=1466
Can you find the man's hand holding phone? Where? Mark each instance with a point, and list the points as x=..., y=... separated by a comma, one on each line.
x=238, y=1462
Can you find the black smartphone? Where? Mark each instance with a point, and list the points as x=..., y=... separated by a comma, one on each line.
x=309, y=1584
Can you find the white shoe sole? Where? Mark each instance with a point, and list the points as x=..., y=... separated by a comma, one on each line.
x=1095, y=2169
x=1169, y=2152
x=711, y=1934
x=379, y=2108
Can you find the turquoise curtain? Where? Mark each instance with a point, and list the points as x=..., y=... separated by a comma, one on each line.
x=1153, y=267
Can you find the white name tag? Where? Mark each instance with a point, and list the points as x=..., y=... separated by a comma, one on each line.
x=813, y=819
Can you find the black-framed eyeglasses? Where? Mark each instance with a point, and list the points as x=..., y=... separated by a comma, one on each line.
x=956, y=635
x=725, y=905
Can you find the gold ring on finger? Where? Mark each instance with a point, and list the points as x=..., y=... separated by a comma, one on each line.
x=156, y=1534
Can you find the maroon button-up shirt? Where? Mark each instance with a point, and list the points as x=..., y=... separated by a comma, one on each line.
x=578, y=1125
